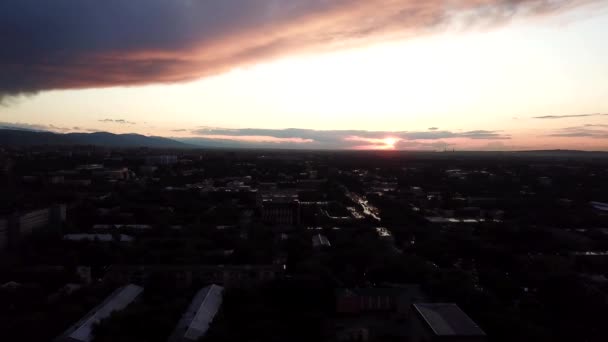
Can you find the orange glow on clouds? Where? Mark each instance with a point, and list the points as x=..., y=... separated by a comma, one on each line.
x=373, y=143
x=370, y=143
x=391, y=142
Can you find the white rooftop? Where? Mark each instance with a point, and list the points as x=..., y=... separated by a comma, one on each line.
x=320, y=240
x=206, y=312
x=120, y=299
x=196, y=320
x=600, y=206
x=447, y=319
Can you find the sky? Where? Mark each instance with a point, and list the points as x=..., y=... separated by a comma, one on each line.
x=341, y=74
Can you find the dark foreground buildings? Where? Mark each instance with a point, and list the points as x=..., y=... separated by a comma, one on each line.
x=302, y=246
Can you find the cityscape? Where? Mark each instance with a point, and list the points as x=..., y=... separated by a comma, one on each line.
x=144, y=244
x=303, y=170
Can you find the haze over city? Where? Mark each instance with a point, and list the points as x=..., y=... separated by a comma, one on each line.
x=409, y=75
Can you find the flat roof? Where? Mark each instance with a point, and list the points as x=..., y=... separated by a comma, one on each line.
x=202, y=310
x=447, y=319
x=118, y=300
x=600, y=205
x=320, y=240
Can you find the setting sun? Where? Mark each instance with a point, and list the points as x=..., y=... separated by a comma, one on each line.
x=390, y=142
x=355, y=75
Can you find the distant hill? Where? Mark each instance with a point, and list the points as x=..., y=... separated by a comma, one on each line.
x=15, y=137
x=563, y=154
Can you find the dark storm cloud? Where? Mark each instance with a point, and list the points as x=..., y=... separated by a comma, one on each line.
x=63, y=44
x=552, y=117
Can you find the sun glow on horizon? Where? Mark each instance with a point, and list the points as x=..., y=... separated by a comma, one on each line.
x=387, y=143
x=498, y=81
x=390, y=142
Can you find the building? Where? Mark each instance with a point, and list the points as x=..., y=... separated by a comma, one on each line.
x=196, y=320
x=134, y=227
x=82, y=331
x=4, y=233
x=20, y=225
x=244, y=195
x=443, y=322
x=377, y=313
x=84, y=274
x=56, y=179
x=281, y=210
x=311, y=183
x=545, y=181
x=5, y=165
x=98, y=237
x=113, y=174
x=161, y=160
x=186, y=275
x=147, y=170
x=384, y=234
x=320, y=241
x=59, y=213
x=89, y=167
x=358, y=334
x=599, y=207
x=378, y=299
x=78, y=182
x=33, y=220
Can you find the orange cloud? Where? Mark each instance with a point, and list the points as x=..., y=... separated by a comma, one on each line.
x=387, y=143
x=133, y=42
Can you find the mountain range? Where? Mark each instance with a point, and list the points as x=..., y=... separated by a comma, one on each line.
x=18, y=137
x=12, y=136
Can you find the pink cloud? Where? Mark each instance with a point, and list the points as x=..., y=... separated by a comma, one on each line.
x=134, y=42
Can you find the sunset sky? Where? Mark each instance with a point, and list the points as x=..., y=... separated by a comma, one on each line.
x=353, y=74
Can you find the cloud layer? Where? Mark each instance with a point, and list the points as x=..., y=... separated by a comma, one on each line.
x=554, y=117
x=118, y=121
x=39, y=127
x=338, y=139
x=593, y=131
x=64, y=44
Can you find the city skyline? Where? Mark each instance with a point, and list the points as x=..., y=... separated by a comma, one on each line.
x=469, y=75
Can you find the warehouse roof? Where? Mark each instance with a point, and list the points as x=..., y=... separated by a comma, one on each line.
x=118, y=300
x=447, y=319
x=199, y=315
